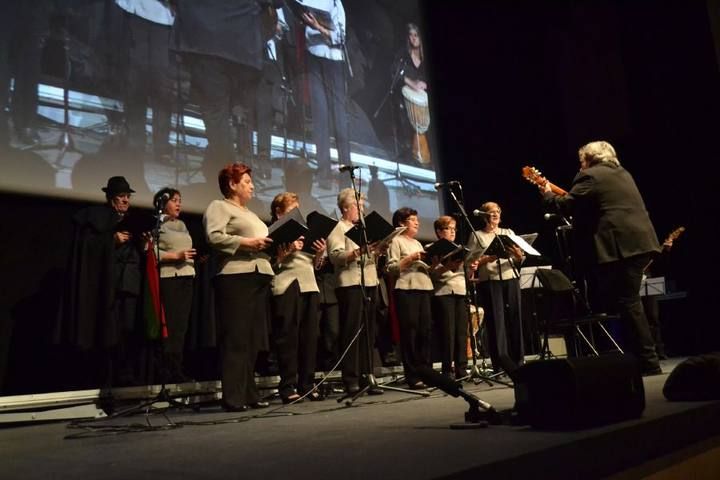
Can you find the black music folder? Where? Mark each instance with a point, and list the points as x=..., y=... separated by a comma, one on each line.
x=446, y=250
x=136, y=223
x=319, y=226
x=289, y=228
x=378, y=230
x=298, y=7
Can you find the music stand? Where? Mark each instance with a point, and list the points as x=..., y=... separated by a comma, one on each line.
x=368, y=378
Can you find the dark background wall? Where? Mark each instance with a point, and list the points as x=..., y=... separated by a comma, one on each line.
x=513, y=84
x=527, y=83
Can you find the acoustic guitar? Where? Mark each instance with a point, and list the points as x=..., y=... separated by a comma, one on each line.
x=667, y=244
x=533, y=175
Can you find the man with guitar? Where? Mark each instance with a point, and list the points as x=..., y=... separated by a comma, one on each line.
x=614, y=241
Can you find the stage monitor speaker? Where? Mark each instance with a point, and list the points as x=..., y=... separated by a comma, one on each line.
x=695, y=379
x=572, y=393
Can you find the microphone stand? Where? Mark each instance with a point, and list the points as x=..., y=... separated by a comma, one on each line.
x=369, y=378
x=163, y=396
x=476, y=374
x=399, y=71
x=410, y=188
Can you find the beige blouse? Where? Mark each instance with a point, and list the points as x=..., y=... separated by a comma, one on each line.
x=226, y=224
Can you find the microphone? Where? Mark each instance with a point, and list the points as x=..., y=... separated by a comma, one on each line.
x=480, y=213
x=451, y=387
x=347, y=168
x=450, y=183
x=163, y=198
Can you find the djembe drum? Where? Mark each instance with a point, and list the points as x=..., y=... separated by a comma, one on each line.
x=416, y=106
x=476, y=318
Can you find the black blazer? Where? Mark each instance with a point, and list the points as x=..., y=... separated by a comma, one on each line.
x=228, y=29
x=610, y=221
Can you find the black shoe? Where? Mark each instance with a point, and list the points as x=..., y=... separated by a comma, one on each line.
x=315, y=396
x=391, y=360
x=311, y=394
x=259, y=404
x=449, y=375
x=235, y=408
x=352, y=389
x=418, y=386
x=371, y=389
x=291, y=397
x=375, y=391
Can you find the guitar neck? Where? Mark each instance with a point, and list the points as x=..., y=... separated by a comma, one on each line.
x=556, y=190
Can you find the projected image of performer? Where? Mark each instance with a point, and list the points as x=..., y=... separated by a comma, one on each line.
x=345, y=256
x=295, y=309
x=449, y=303
x=414, y=115
x=149, y=80
x=499, y=293
x=272, y=94
x=22, y=27
x=614, y=240
x=327, y=73
x=413, y=289
x=177, y=272
x=222, y=46
x=242, y=287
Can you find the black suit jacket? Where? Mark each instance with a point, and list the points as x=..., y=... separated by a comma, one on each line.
x=610, y=221
x=229, y=29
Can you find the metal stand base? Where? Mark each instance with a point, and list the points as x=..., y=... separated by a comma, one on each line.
x=370, y=382
x=477, y=376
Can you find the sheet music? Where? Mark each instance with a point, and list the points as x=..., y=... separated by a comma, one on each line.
x=524, y=246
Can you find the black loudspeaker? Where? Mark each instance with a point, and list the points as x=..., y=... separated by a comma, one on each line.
x=572, y=393
x=695, y=379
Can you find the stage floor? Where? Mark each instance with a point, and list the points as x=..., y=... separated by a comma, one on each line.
x=393, y=436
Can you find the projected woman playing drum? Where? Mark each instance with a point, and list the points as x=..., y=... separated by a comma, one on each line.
x=414, y=93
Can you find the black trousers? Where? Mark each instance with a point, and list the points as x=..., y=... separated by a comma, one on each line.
x=328, y=97
x=177, y=297
x=242, y=303
x=415, y=317
x=359, y=358
x=149, y=81
x=295, y=330
x=618, y=291
x=452, y=314
x=501, y=301
x=216, y=84
x=329, y=341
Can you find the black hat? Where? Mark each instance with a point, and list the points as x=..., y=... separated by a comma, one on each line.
x=117, y=185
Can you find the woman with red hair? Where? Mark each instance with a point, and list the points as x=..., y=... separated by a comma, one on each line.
x=242, y=286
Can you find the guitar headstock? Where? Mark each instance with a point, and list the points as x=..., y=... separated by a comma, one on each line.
x=534, y=176
x=675, y=234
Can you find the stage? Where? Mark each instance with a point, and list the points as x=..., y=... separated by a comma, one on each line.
x=393, y=436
